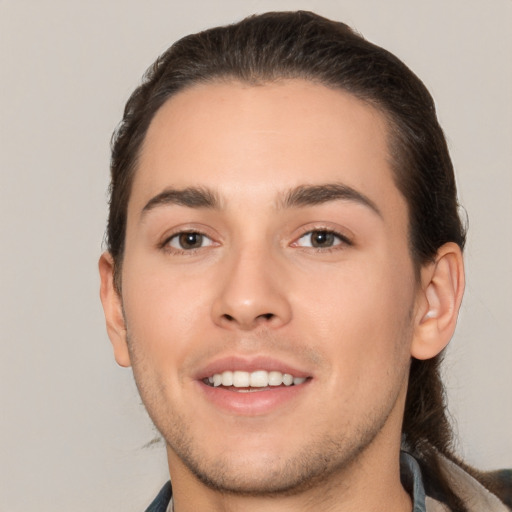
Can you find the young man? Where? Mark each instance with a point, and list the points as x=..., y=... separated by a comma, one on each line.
x=284, y=269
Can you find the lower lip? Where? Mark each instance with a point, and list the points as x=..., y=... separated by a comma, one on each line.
x=252, y=403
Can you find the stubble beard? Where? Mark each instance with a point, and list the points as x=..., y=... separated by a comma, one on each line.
x=319, y=463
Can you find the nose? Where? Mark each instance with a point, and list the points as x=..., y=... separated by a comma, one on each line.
x=252, y=293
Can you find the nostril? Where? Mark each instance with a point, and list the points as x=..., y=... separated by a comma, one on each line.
x=248, y=322
x=265, y=316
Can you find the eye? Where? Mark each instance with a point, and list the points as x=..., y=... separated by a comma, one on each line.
x=321, y=239
x=188, y=240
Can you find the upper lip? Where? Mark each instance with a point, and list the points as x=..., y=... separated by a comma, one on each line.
x=249, y=364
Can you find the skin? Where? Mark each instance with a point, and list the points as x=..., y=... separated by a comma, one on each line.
x=348, y=314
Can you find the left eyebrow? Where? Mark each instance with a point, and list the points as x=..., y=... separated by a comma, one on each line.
x=311, y=195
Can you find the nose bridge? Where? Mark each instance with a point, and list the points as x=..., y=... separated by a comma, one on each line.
x=252, y=290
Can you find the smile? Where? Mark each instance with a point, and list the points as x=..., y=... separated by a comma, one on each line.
x=256, y=379
x=242, y=387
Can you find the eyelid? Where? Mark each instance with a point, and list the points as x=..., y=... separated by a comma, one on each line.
x=177, y=236
x=344, y=238
x=180, y=230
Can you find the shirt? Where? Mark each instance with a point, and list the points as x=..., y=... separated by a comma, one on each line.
x=476, y=497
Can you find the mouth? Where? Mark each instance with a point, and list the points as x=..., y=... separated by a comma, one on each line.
x=259, y=380
x=253, y=386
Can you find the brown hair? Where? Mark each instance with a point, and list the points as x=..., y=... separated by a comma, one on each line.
x=303, y=45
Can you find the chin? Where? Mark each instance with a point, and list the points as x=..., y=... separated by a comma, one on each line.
x=269, y=477
x=273, y=471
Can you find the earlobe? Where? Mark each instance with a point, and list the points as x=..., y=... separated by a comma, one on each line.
x=442, y=287
x=113, y=309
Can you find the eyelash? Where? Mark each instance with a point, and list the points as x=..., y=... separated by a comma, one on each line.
x=165, y=245
x=342, y=241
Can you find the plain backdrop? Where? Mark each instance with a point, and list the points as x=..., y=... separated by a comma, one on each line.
x=73, y=434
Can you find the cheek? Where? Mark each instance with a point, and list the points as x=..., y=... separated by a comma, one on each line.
x=163, y=311
x=362, y=313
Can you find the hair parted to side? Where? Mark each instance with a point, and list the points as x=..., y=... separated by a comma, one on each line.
x=285, y=45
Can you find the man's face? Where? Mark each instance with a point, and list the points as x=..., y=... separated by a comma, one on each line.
x=266, y=236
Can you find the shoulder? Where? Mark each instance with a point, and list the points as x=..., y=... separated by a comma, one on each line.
x=500, y=482
x=161, y=502
x=492, y=491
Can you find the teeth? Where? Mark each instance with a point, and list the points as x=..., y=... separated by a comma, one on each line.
x=275, y=378
x=287, y=379
x=257, y=379
x=227, y=378
x=241, y=379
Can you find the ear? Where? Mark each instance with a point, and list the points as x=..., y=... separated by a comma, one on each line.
x=113, y=309
x=442, y=287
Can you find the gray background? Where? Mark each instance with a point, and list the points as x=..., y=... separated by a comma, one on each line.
x=72, y=430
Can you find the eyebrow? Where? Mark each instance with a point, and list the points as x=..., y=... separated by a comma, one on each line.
x=310, y=195
x=191, y=197
x=301, y=196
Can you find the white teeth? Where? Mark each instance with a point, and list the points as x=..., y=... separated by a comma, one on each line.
x=241, y=379
x=275, y=378
x=227, y=378
x=259, y=379
x=256, y=379
x=287, y=379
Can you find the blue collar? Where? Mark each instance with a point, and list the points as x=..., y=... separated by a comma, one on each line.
x=410, y=475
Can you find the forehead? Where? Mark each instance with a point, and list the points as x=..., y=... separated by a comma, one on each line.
x=235, y=138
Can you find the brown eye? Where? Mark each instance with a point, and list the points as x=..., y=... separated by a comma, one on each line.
x=189, y=240
x=321, y=239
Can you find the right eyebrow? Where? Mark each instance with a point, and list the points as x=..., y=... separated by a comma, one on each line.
x=191, y=197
